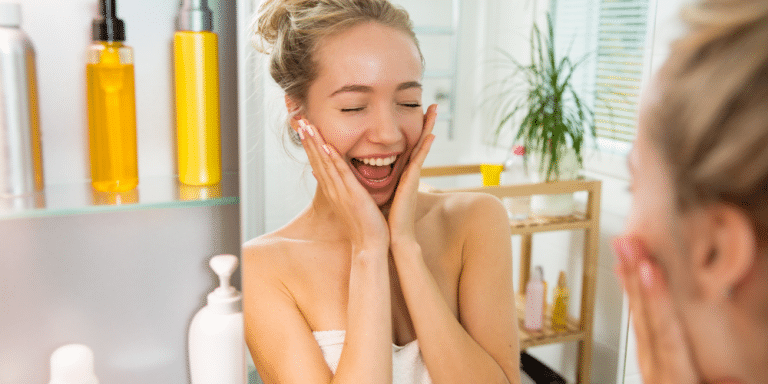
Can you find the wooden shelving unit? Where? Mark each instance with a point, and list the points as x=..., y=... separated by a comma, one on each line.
x=579, y=330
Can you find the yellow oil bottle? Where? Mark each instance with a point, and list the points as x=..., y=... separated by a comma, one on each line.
x=196, y=70
x=111, y=105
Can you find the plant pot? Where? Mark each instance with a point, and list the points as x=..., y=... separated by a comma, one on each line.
x=553, y=205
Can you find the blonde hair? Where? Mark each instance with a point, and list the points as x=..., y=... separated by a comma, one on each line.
x=290, y=31
x=711, y=121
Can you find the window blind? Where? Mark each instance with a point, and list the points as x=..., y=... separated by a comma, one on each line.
x=612, y=34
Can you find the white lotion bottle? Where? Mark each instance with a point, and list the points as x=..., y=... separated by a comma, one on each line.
x=216, y=338
x=72, y=364
x=534, y=301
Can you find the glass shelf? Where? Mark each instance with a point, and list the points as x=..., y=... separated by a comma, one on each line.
x=152, y=192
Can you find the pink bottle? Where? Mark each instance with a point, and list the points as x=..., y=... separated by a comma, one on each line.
x=534, y=301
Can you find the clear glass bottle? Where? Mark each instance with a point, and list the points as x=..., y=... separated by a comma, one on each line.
x=515, y=172
x=111, y=105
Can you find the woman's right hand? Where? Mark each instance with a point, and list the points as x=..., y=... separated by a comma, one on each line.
x=662, y=351
x=355, y=207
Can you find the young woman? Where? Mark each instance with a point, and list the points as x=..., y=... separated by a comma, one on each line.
x=694, y=259
x=374, y=281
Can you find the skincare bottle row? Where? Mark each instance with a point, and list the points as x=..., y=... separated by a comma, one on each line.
x=112, y=103
x=536, y=304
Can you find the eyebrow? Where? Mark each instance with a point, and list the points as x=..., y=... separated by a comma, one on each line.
x=368, y=89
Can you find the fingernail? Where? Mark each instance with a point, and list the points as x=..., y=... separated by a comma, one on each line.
x=326, y=149
x=436, y=106
x=628, y=252
x=302, y=123
x=618, y=250
x=310, y=130
x=646, y=274
x=301, y=133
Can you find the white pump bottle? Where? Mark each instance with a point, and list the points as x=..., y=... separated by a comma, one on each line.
x=216, y=338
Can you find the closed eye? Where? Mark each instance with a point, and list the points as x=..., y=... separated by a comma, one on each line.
x=358, y=109
x=411, y=105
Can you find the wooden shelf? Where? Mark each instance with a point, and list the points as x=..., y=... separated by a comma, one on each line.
x=546, y=335
x=550, y=223
x=588, y=221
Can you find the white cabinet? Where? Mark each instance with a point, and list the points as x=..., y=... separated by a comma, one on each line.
x=125, y=280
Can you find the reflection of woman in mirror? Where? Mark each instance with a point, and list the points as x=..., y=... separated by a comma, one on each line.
x=374, y=281
x=694, y=259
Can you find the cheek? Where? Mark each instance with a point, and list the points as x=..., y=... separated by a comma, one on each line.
x=412, y=126
x=653, y=220
x=650, y=219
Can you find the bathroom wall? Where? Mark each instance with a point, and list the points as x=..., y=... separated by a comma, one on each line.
x=125, y=283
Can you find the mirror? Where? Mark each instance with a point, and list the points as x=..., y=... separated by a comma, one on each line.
x=459, y=49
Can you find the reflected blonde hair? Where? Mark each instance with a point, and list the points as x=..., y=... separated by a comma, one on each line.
x=711, y=122
x=291, y=30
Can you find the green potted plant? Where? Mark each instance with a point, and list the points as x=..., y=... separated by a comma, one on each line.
x=539, y=103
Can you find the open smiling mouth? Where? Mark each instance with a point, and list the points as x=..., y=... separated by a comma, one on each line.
x=375, y=170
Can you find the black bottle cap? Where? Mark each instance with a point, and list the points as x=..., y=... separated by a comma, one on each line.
x=106, y=26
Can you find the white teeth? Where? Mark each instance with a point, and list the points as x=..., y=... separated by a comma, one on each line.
x=380, y=162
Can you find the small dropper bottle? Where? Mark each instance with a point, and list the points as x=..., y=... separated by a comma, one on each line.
x=111, y=105
x=196, y=71
x=560, y=306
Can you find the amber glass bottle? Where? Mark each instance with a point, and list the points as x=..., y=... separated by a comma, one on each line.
x=560, y=306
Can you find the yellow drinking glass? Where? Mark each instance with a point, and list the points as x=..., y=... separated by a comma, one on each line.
x=491, y=173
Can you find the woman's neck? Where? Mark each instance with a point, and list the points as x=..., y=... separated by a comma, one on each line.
x=321, y=214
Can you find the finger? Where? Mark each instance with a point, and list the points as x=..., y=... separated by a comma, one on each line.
x=627, y=252
x=409, y=181
x=312, y=143
x=345, y=176
x=429, y=123
x=339, y=178
x=668, y=339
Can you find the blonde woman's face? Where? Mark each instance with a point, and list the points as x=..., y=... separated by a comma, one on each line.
x=366, y=102
x=665, y=233
x=653, y=217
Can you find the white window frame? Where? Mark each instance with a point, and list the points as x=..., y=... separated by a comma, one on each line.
x=610, y=159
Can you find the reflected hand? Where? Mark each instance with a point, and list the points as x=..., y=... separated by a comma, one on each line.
x=662, y=351
x=350, y=201
x=401, y=218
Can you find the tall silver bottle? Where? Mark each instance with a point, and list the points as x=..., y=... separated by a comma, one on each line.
x=21, y=166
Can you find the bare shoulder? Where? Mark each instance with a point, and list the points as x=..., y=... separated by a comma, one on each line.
x=263, y=248
x=466, y=210
x=267, y=254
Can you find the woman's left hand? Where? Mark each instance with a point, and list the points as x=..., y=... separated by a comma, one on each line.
x=402, y=212
x=662, y=351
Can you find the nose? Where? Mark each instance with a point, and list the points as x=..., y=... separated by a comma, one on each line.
x=385, y=129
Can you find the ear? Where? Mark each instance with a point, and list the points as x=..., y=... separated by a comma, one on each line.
x=724, y=252
x=295, y=112
x=294, y=109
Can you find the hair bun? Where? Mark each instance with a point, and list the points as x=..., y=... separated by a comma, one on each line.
x=272, y=20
